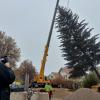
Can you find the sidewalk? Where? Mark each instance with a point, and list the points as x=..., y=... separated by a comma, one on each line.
x=56, y=99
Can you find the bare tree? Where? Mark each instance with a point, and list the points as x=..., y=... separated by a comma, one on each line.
x=27, y=67
x=8, y=47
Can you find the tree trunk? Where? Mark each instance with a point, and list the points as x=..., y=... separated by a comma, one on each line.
x=26, y=82
x=97, y=73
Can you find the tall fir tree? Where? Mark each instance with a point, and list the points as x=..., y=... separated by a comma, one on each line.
x=80, y=49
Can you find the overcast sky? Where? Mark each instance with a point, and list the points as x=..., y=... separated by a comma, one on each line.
x=28, y=22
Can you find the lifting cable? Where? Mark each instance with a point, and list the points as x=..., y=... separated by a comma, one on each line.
x=68, y=4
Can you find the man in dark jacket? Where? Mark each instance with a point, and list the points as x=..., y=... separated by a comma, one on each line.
x=6, y=78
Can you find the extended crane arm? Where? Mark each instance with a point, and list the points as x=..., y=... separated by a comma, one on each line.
x=41, y=74
x=52, y=24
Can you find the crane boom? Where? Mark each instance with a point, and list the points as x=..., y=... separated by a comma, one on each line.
x=43, y=62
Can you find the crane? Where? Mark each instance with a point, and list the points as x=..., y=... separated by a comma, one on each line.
x=40, y=78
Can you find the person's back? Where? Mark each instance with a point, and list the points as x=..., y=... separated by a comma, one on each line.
x=48, y=88
x=6, y=78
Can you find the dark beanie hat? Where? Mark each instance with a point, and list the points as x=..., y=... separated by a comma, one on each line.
x=4, y=59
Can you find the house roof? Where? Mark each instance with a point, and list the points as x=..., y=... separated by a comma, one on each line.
x=65, y=70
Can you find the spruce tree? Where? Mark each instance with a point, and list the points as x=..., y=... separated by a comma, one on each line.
x=80, y=50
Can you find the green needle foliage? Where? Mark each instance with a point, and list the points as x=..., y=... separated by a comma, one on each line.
x=80, y=50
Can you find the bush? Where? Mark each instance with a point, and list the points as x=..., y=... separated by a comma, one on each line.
x=90, y=80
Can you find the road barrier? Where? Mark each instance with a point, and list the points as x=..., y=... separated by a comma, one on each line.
x=18, y=96
x=23, y=96
x=40, y=96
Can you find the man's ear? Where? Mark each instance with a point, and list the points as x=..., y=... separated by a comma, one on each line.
x=7, y=65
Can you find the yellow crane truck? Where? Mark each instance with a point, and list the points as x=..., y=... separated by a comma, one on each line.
x=40, y=79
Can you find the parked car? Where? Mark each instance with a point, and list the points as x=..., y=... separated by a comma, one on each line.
x=16, y=88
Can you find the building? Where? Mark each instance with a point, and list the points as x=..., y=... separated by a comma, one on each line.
x=53, y=75
x=65, y=72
